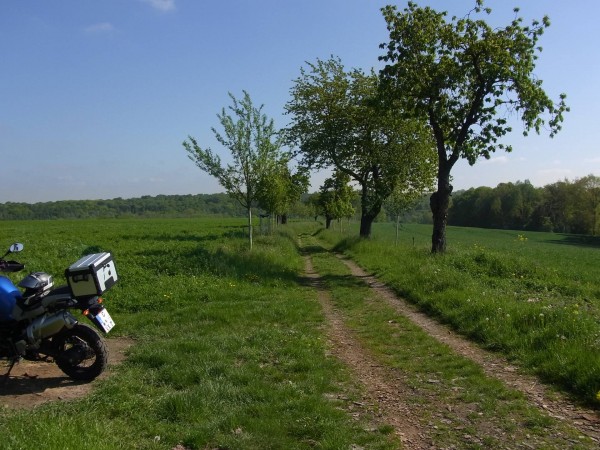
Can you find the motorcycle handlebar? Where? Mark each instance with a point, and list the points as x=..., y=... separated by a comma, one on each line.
x=10, y=266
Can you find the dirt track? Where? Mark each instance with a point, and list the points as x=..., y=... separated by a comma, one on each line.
x=387, y=394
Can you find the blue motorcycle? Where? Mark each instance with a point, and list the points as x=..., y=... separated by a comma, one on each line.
x=36, y=322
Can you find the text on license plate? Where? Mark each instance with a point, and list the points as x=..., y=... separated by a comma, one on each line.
x=105, y=321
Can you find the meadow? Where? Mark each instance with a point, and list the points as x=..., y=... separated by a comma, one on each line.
x=533, y=296
x=229, y=346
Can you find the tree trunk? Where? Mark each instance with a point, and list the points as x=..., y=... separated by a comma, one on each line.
x=439, y=203
x=366, y=221
x=327, y=222
x=369, y=211
x=250, y=226
x=283, y=219
x=365, y=226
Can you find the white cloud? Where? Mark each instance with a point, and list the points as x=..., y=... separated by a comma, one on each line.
x=161, y=5
x=103, y=27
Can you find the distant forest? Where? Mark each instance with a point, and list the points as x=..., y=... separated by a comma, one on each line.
x=146, y=206
x=564, y=207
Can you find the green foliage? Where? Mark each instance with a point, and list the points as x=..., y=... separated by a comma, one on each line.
x=335, y=198
x=340, y=120
x=255, y=148
x=145, y=207
x=280, y=189
x=462, y=72
x=464, y=78
x=564, y=206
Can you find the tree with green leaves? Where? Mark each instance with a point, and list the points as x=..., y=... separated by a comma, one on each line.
x=464, y=78
x=589, y=205
x=280, y=189
x=335, y=197
x=254, y=144
x=339, y=120
x=400, y=201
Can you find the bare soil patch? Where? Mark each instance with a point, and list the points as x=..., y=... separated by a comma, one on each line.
x=34, y=383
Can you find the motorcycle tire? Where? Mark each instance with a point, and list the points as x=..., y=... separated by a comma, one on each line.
x=81, y=353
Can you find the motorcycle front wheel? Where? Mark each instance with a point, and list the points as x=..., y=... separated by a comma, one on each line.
x=81, y=353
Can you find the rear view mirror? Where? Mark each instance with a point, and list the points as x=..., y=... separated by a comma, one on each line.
x=15, y=248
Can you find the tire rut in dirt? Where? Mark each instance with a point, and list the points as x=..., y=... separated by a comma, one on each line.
x=384, y=392
x=585, y=420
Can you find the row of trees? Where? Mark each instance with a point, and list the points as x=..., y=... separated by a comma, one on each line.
x=445, y=93
x=340, y=120
x=146, y=206
x=564, y=206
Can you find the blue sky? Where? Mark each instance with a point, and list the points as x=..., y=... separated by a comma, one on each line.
x=98, y=95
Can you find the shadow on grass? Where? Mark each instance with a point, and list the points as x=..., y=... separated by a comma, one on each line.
x=168, y=237
x=245, y=265
x=576, y=240
x=19, y=385
x=332, y=281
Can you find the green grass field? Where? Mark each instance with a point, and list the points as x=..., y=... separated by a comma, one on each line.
x=230, y=351
x=533, y=296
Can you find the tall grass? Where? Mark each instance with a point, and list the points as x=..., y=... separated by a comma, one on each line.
x=228, y=353
x=533, y=296
x=450, y=395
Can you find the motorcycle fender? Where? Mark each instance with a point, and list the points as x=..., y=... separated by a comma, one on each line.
x=99, y=316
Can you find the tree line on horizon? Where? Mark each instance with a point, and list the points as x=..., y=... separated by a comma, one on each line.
x=146, y=206
x=563, y=207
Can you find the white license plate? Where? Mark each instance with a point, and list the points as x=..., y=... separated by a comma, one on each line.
x=105, y=321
